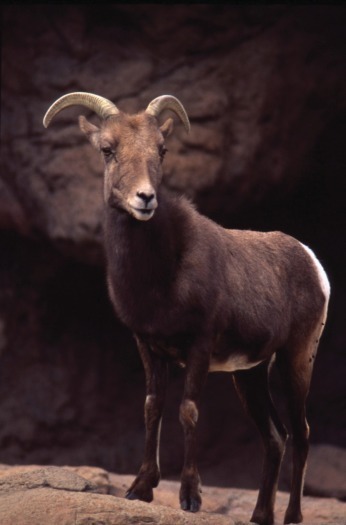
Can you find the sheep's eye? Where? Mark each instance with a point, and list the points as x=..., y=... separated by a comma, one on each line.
x=107, y=152
x=162, y=151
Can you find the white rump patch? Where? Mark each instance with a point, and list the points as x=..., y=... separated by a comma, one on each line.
x=324, y=283
x=325, y=286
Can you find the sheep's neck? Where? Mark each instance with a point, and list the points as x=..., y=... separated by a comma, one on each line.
x=143, y=258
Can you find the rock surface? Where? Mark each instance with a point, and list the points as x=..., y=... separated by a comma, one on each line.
x=326, y=472
x=34, y=495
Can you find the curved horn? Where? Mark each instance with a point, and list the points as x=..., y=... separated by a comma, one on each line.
x=100, y=105
x=169, y=102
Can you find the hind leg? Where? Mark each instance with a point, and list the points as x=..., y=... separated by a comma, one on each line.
x=252, y=387
x=296, y=372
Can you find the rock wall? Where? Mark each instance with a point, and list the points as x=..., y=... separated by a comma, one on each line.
x=265, y=91
x=259, y=84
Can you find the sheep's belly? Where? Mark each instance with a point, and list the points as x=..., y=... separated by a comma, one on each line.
x=233, y=363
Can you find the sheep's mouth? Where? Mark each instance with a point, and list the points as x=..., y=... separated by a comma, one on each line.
x=143, y=214
x=140, y=210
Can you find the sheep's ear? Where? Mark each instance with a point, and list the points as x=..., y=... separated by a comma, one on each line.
x=167, y=128
x=92, y=132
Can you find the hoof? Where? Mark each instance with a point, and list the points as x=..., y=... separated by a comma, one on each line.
x=147, y=495
x=262, y=519
x=131, y=495
x=190, y=505
x=293, y=517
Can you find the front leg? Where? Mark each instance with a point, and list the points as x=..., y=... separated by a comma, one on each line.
x=197, y=367
x=156, y=380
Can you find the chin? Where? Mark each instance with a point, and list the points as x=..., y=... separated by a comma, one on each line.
x=142, y=215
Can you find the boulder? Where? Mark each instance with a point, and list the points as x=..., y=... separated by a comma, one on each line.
x=325, y=475
x=33, y=495
x=59, y=496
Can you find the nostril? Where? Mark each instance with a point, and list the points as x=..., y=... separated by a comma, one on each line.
x=145, y=196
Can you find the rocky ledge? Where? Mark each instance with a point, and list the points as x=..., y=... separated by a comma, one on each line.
x=36, y=495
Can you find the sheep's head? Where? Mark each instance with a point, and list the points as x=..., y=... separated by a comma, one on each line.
x=133, y=148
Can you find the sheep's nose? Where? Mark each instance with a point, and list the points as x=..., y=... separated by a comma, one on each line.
x=146, y=197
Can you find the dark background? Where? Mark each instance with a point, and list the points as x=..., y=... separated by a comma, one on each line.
x=265, y=91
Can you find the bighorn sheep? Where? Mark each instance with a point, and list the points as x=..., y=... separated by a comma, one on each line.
x=204, y=297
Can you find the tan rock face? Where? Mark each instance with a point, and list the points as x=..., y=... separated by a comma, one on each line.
x=57, y=496
x=35, y=495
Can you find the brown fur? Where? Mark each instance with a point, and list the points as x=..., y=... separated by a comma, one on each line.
x=199, y=295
